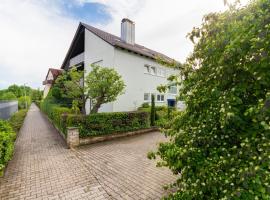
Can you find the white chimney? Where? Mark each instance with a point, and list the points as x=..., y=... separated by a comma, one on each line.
x=128, y=31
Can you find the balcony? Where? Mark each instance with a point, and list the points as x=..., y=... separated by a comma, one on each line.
x=76, y=60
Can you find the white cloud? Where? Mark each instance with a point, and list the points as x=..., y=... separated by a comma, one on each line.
x=35, y=34
x=33, y=38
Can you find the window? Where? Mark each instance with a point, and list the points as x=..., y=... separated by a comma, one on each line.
x=153, y=70
x=160, y=97
x=146, y=97
x=161, y=72
x=146, y=69
x=173, y=90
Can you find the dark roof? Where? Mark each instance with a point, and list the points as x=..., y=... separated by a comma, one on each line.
x=117, y=42
x=55, y=73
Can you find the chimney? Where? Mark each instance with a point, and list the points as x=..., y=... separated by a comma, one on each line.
x=128, y=31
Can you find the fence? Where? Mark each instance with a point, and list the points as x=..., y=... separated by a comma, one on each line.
x=7, y=108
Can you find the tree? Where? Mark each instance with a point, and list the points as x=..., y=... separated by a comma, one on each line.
x=8, y=96
x=15, y=89
x=69, y=86
x=220, y=145
x=153, y=110
x=36, y=95
x=103, y=85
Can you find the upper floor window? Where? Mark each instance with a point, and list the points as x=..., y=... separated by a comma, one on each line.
x=161, y=72
x=157, y=71
x=153, y=70
x=146, y=69
x=173, y=90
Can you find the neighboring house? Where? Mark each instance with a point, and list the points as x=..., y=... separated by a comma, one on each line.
x=136, y=64
x=50, y=78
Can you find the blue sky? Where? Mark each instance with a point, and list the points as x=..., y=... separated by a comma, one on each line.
x=86, y=12
x=35, y=34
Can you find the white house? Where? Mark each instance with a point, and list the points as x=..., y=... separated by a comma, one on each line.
x=49, y=80
x=136, y=64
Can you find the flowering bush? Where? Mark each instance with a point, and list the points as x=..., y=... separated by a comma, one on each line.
x=220, y=145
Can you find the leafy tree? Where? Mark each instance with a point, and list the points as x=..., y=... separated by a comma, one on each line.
x=24, y=102
x=36, y=95
x=220, y=145
x=69, y=86
x=153, y=110
x=103, y=85
x=15, y=89
x=8, y=96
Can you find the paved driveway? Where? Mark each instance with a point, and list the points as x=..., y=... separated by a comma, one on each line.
x=43, y=168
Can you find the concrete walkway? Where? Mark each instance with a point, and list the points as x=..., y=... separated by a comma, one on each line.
x=43, y=168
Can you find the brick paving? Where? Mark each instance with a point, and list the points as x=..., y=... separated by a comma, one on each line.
x=43, y=168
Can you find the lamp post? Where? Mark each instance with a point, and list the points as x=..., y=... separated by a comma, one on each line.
x=25, y=96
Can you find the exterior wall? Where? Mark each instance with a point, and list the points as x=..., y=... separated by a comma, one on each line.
x=97, y=50
x=7, y=108
x=131, y=66
x=46, y=90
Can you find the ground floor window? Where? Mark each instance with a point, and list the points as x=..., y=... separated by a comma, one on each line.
x=146, y=97
x=160, y=97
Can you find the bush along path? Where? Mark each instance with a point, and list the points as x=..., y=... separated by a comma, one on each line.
x=8, y=130
x=43, y=168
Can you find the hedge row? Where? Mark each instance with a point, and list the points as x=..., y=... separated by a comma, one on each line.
x=56, y=113
x=108, y=123
x=16, y=120
x=7, y=138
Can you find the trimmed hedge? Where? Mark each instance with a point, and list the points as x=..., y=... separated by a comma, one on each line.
x=56, y=113
x=17, y=119
x=108, y=123
x=7, y=138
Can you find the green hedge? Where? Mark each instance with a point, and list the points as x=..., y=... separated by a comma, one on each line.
x=56, y=113
x=108, y=123
x=16, y=120
x=7, y=138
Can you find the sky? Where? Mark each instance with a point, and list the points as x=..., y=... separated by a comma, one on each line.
x=35, y=34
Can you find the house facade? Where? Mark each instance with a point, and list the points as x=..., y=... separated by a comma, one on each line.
x=135, y=63
x=50, y=78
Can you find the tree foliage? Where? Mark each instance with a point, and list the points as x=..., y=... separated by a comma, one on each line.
x=103, y=85
x=69, y=86
x=220, y=145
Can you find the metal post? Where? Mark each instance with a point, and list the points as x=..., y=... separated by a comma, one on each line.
x=25, y=96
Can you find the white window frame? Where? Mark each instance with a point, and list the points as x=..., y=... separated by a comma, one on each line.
x=153, y=70
x=149, y=97
x=173, y=86
x=146, y=69
x=160, y=95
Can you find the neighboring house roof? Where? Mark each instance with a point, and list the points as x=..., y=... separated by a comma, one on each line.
x=55, y=73
x=117, y=42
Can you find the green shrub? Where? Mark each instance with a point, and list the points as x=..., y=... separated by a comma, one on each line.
x=108, y=123
x=55, y=112
x=24, y=101
x=220, y=145
x=17, y=119
x=37, y=102
x=8, y=96
x=7, y=137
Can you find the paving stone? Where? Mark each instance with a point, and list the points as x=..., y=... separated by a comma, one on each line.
x=43, y=168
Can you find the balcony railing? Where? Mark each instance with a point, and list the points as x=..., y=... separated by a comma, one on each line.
x=76, y=60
